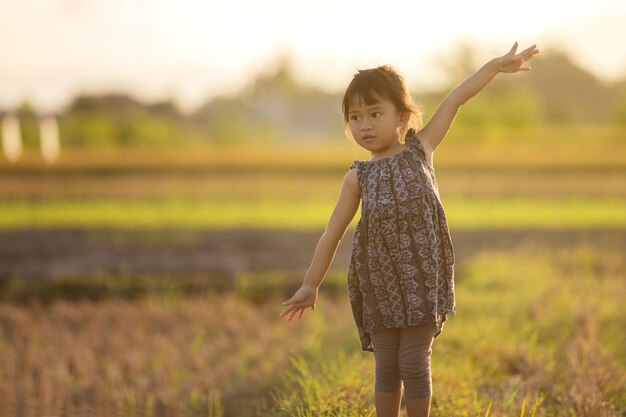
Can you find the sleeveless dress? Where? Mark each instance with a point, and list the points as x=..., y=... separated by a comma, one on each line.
x=401, y=270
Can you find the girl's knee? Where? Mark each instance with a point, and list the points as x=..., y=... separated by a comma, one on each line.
x=414, y=361
x=417, y=381
x=388, y=379
x=416, y=393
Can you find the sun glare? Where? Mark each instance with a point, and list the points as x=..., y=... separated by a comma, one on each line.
x=194, y=49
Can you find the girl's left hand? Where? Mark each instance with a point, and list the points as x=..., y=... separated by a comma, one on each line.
x=512, y=62
x=305, y=297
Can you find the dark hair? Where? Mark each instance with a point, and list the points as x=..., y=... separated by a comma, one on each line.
x=384, y=82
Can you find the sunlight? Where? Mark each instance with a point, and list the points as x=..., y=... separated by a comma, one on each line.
x=194, y=50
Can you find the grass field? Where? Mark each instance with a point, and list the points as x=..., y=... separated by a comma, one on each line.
x=536, y=326
x=304, y=214
x=539, y=324
x=524, y=184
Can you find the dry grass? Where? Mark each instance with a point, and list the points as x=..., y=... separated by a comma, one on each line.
x=161, y=350
x=535, y=328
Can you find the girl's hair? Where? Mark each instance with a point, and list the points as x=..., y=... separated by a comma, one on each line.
x=384, y=82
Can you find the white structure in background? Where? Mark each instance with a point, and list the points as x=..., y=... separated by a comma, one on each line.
x=49, y=138
x=11, y=138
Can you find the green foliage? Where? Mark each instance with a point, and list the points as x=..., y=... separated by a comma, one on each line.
x=239, y=131
x=517, y=111
x=338, y=386
x=275, y=107
x=29, y=126
x=99, y=128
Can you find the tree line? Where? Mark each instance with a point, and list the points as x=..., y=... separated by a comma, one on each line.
x=276, y=108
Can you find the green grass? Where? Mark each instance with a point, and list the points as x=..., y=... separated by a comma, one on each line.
x=539, y=331
x=536, y=334
x=338, y=387
x=301, y=214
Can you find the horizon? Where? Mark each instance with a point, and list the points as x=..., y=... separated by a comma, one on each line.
x=188, y=53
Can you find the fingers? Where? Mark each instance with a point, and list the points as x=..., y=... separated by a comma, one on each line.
x=293, y=310
x=525, y=51
x=528, y=53
x=532, y=50
x=288, y=310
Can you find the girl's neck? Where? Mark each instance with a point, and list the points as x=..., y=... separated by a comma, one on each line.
x=389, y=151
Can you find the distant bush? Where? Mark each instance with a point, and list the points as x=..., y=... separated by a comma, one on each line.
x=135, y=127
x=277, y=108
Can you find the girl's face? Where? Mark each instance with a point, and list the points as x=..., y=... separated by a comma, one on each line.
x=375, y=127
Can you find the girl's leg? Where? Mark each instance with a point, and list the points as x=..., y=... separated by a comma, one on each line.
x=414, y=362
x=388, y=403
x=417, y=407
x=388, y=382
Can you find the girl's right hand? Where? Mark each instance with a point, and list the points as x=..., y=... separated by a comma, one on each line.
x=305, y=297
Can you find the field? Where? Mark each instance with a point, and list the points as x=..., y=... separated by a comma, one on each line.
x=148, y=283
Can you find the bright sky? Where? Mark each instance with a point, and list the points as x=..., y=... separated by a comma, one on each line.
x=191, y=50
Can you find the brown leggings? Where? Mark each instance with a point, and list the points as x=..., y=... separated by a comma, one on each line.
x=403, y=355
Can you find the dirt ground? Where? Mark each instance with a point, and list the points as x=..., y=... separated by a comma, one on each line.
x=52, y=253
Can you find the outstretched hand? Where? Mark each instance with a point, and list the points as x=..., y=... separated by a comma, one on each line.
x=305, y=297
x=512, y=62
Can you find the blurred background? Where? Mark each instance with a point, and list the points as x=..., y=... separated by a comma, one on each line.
x=167, y=169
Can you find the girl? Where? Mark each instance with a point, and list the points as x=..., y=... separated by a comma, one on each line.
x=401, y=272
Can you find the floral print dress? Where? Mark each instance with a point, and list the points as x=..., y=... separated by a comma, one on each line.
x=401, y=270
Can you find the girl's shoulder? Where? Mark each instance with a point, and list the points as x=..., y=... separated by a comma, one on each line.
x=356, y=174
x=413, y=140
x=356, y=164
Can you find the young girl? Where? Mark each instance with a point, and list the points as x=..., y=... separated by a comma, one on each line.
x=401, y=272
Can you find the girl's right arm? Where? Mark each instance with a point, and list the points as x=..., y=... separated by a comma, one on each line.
x=340, y=219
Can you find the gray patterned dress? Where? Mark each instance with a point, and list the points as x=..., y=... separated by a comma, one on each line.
x=401, y=270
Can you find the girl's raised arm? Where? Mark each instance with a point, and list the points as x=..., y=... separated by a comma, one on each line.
x=437, y=127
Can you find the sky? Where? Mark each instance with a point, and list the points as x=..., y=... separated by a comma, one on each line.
x=193, y=50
